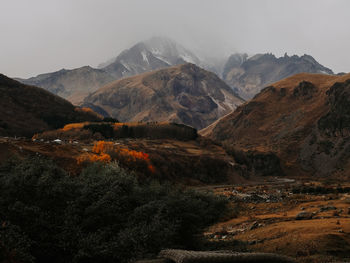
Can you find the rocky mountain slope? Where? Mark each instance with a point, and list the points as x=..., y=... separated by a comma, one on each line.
x=248, y=75
x=184, y=94
x=76, y=84
x=25, y=110
x=304, y=120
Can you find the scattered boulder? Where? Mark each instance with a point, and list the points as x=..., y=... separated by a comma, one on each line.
x=304, y=215
x=254, y=225
x=327, y=208
x=305, y=89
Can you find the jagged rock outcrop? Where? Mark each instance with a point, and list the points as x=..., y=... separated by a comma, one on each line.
x=248, y=75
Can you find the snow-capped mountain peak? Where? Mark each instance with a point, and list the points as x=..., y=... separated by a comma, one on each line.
x=148, y=55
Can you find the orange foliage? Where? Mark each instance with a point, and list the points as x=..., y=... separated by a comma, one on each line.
x=104, y=151
x=102, y=146
x=131, y=155
x=72, y=126
x=89, y=111
x=151, y=168
x=85, y=109
x=91, y=157
x=126, y=156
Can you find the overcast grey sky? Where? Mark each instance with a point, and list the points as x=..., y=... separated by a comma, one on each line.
x=38, y=36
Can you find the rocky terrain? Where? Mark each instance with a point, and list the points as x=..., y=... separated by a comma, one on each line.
x=248, y=75
x=26, y=110
x=307, y=220
x=183, y=94
x=303, y=120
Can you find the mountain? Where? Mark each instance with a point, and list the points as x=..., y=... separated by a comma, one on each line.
x=26, y=110
x=184, y=94
x=74, y=85
x=304, y=120
x=152, y=54
x=248, y=75
x=245, y=75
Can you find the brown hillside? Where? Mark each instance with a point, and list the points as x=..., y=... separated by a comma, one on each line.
x=303, y=119
x=191, y=162
x=183, y=94
x=25, y=110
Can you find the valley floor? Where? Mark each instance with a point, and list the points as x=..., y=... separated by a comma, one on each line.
x=275, y=218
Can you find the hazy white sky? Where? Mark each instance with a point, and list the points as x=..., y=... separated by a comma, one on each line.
x=38, y=36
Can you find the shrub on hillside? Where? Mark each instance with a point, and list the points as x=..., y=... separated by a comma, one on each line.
x=258, y=163
x=102, y=215
x=104, y=151
x=155, y=131
x=105, y=129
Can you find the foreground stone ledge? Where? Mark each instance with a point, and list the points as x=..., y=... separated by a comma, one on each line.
x=185, y=256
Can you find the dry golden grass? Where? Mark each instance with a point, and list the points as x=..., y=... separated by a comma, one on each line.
x=324, y=237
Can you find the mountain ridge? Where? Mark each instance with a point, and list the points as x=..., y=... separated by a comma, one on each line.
x=284, y=118
x=183, y=93
x=245, y=74
x=248, y=75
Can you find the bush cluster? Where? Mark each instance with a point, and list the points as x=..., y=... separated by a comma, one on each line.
x=102, y=215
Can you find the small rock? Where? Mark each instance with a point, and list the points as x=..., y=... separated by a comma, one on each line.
x=253, y=242
x=327, y=208
x=335, y=213
x=254, y=225
x=304, y=215
x=302, y=208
